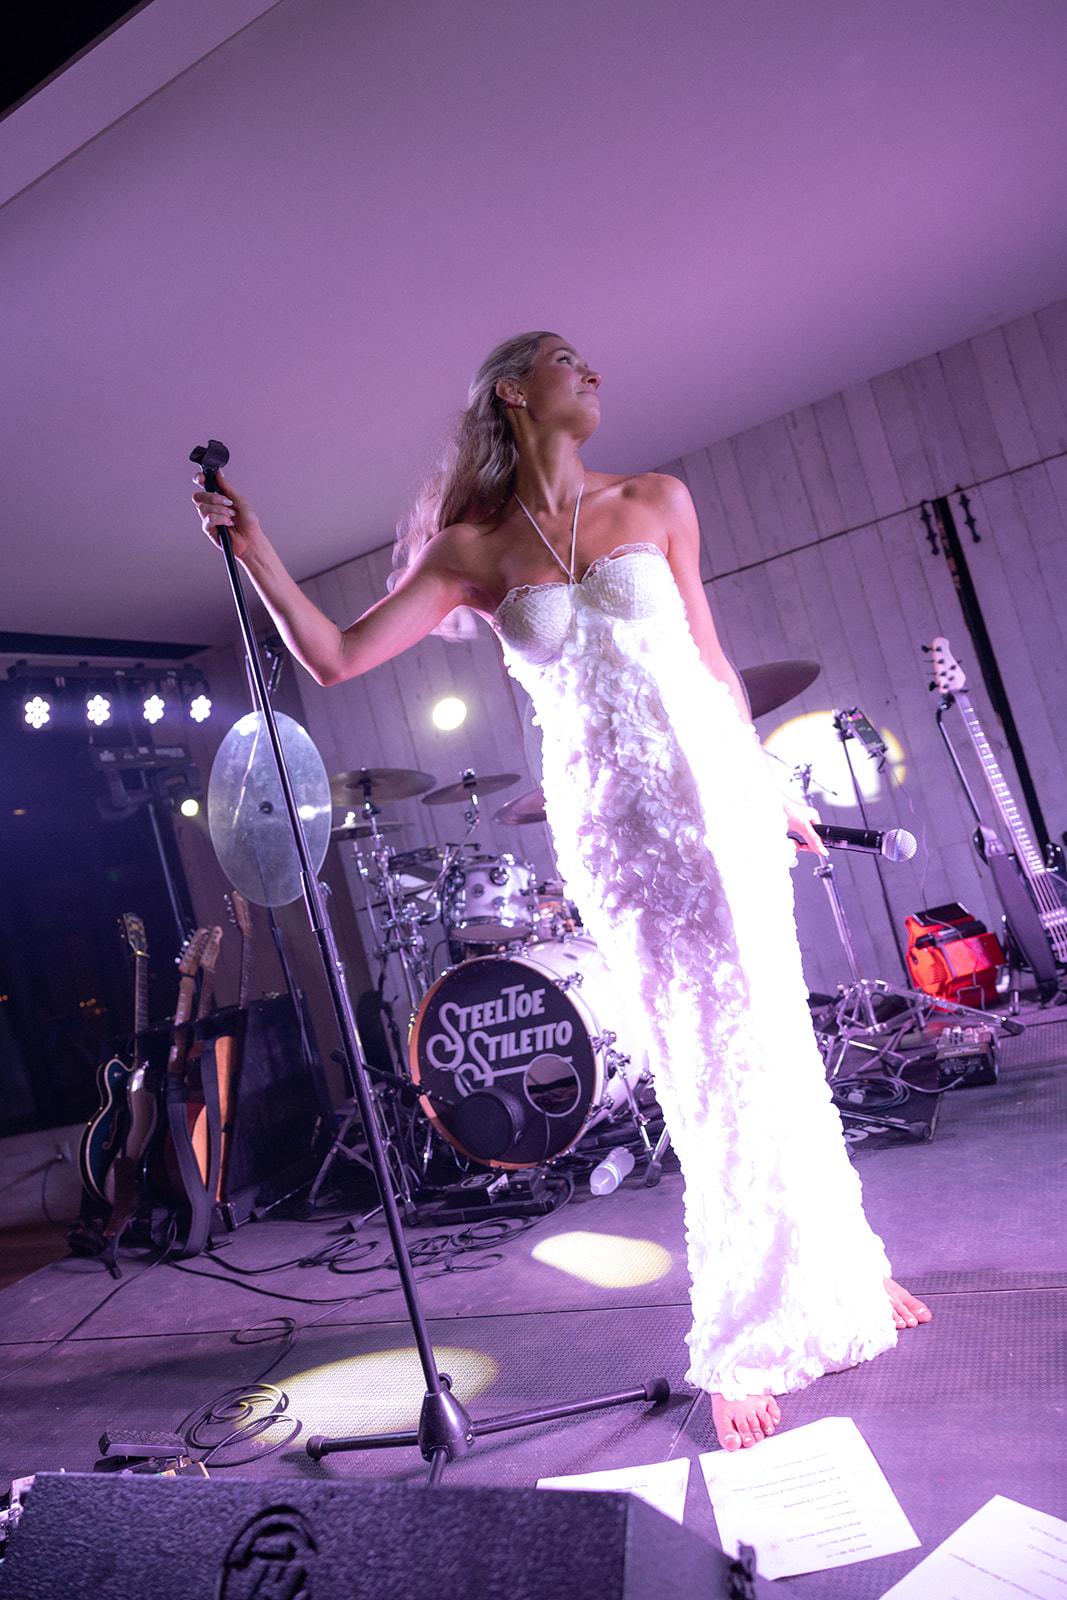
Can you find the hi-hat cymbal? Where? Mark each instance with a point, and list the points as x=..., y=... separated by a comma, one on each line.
x=378, y=783
x=528, y=807
x=472, y=785
x=364, y=830
x=770, y=686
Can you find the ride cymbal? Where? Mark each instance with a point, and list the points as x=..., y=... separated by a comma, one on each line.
x=771, y=685
x=378, y=783
x=468, y=785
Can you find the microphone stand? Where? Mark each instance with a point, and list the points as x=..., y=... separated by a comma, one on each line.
x=852, y=1022
x=445, y=1430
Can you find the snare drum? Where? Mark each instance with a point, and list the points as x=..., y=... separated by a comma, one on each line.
x=490, y=900
x=516, y=1059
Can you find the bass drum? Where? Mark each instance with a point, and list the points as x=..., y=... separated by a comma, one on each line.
x=516, y=1059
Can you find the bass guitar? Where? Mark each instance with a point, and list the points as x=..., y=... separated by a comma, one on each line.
x=121, y=1084
x=1033, y=894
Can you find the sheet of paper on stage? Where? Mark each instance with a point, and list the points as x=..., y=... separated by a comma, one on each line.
x=809, y=1499
x=1004, y=1552
x=662, y=1485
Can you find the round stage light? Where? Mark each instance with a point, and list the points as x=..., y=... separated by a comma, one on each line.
x=37, y=711
x=609, y=1260
x=154, y=708
x=98, y=710
x=190, y=806
x=200, y=708
x=448, y=713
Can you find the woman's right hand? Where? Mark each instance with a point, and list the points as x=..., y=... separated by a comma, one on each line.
x=228, y=509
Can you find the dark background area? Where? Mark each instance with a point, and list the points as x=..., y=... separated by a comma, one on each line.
x=42, y=38
x=66, y=876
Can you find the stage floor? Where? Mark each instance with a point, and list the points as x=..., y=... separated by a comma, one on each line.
x=588, y=1301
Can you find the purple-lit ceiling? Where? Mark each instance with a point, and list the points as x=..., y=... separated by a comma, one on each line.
x=298, y=227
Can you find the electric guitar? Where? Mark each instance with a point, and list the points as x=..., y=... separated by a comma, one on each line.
x=122, y=1108
x=1046, y=890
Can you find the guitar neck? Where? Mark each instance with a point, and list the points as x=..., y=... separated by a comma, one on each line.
x=140, y=998
x=1028, y=855
x=245, y=987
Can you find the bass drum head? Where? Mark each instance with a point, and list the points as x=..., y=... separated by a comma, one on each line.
x=505, y=1059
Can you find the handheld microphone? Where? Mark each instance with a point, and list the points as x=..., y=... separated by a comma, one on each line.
x=896, y=844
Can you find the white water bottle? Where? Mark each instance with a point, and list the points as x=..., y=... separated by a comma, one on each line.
x=612, y=1170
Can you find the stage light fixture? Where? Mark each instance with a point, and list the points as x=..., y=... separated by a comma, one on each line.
x=154, y=708
x=98, y=710
x=37, y=711
x=448, y=713
x=200, y=708
x=190, y=806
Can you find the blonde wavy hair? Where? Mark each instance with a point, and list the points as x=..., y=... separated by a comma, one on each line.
x=474, y=476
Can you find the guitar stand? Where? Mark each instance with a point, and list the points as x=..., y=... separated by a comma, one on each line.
x=445, y=1430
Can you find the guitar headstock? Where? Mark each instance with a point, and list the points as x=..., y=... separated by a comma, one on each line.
x=210, y=953
x=948, y=674
x=133, y=928
x=240, y=913
x=192, y=950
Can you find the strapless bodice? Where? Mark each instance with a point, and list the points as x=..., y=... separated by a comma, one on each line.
x=629, y=584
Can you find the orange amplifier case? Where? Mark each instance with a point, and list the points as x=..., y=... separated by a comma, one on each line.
x=952, y=956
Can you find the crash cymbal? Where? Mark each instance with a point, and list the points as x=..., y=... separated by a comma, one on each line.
x=377, y=783
x=770, y=686
x=524, y=808
x=364, y=830
x=468, y=785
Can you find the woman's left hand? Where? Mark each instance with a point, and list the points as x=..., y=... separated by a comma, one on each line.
x=799, y=819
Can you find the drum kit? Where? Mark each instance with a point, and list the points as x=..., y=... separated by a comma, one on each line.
x=520, y=1049
x=510, y=1051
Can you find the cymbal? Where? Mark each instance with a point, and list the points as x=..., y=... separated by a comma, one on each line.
x=524, y=808
x=771, y=685
x=364, y=830
x=378, y=783
x=463, y=790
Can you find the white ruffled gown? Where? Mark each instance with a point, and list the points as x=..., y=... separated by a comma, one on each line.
x=669, y=832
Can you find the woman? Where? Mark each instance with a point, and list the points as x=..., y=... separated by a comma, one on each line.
x=671, y=835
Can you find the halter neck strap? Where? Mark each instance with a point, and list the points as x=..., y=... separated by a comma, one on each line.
x=574, y=535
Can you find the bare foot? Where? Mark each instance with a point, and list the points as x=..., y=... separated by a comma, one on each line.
x=741, y=1423
x=907, y=1311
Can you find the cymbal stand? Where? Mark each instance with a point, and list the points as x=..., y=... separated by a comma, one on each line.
x=411, y=949
x=445, y=1430
x=399, y=934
